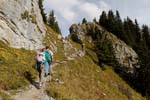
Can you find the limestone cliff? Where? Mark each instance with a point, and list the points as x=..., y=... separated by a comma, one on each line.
x=21, y=24
x=124, y=54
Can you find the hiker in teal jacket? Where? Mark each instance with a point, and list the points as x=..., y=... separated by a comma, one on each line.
x=46, y=63
x=50, y=53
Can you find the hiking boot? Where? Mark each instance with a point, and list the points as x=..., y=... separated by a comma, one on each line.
x=40, y=85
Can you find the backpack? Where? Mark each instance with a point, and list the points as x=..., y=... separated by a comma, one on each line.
x=40, y=57
x=47, y=56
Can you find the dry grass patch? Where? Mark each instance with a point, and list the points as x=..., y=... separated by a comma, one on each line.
x=84, y=80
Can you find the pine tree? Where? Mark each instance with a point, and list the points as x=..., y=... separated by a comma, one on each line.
x=146, y=35
x=129, y=28
x=95, y=21
x=111, y=21
x=53, y=23
x=133, y=30
x=103, y=19
x=84, y=21
x=138, y=33
x=51, y=19
x=118, y=18
x=42, y=11
x=118, y=27
x=57, y=28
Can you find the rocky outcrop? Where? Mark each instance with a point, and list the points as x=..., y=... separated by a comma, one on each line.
x=124, y=54
x=21, y=24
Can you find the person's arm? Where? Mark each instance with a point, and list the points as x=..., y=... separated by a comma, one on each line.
x=51, y=54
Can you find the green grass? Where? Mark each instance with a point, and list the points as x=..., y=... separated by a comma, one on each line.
x=52, y=37
x=16, y=68
x=85, y=80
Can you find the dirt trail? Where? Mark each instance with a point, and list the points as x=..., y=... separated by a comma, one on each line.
x=33, y=93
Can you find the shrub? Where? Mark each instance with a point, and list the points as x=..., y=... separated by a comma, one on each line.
x=26, y=15
x=75, y=38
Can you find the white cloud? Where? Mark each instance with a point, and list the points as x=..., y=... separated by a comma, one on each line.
x=104, y=5
x=63, y=8
x=92, y=10
x=72, y=11
x=68, y=15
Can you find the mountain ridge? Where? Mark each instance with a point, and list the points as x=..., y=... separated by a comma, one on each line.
x=124, y=54
x=81, y=72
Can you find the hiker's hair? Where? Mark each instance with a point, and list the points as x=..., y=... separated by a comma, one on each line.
x=47, y=47
x=43, y=49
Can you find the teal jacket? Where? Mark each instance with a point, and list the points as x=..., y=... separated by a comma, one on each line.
x=47, y=56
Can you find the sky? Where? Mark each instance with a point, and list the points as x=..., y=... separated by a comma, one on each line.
x=68, y=12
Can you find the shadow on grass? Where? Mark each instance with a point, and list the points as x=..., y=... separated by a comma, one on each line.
x=31, y=79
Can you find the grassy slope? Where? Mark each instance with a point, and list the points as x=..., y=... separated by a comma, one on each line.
x=16, y=68
x=51, y=38
x=85, y=80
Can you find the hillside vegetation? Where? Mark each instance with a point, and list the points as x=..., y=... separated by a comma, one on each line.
x=78, y=79
x=16, y=68
x=129, y=31
x=83, y=79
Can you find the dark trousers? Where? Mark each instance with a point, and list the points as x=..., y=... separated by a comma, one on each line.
x=39, y=68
